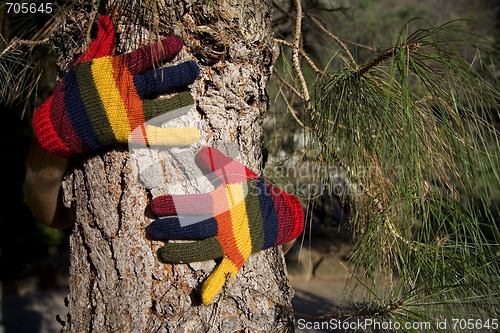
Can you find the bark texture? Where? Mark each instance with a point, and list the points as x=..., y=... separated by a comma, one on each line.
x=116, y=282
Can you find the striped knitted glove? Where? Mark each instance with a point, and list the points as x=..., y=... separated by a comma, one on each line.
x=249, y=215
x=100, y=101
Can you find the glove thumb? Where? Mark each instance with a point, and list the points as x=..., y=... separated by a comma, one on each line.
x=216, y=280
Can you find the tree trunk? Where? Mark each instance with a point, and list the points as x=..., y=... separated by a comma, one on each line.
x=117, y=283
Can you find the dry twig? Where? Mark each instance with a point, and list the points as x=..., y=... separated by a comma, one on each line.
x=311, y=63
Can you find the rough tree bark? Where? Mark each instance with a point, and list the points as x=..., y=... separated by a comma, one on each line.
x=116, y=281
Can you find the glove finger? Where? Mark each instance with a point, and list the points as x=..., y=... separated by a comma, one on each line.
x=167, y=205
x=294, y=218
x=165, y=78
x=159, y=111
x=157, y=136
x=189, y=228
x=216, y=280
x=268, y=213
x=289, y=213
x=145, y=57
x=230, y=171
x=207, y=249
x=258, y=227
x=105, y=42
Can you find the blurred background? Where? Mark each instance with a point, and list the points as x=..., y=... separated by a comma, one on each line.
x=34, y=259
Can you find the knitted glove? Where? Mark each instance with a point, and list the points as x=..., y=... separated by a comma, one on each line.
x=249, y=215
x=101, y=99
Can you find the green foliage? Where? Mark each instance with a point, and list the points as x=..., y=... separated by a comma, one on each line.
x=424, y=125
x=414, y=132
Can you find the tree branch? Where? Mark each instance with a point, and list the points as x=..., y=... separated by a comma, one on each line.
x=295, y=56
x=384, y=56
x=15, y=42
x=318, y=71
x=334, y=37
x=288, y=104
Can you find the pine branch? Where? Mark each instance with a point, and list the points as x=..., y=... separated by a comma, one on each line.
x=334, y=37
x=384, y=56
x=303, y=54
x=290, y=108
x=418, y=115
x=16, y=42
